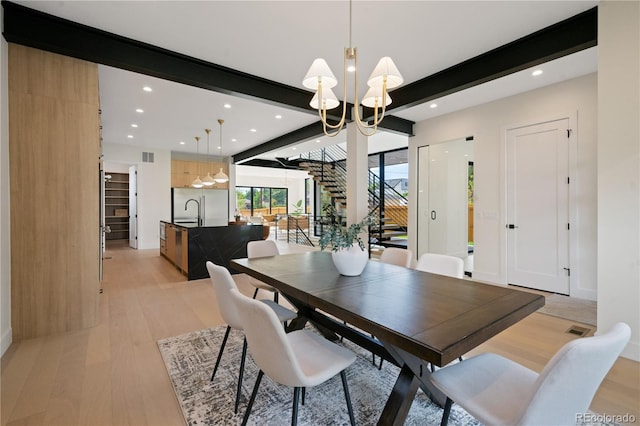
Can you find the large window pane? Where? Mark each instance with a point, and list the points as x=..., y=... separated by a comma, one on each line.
x=256, y=201
x=278, y=200
x=243, y=200
x=261, y=201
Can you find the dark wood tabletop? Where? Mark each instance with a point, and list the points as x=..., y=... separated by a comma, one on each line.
x=417, y=316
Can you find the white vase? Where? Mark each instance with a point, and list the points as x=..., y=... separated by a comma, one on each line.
x=351, y=261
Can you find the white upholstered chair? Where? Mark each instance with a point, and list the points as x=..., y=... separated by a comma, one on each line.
x=222, y=283
x=441, y=264
x=498, y=391
x=262, y=248
x=397, y=256
x=299, y=359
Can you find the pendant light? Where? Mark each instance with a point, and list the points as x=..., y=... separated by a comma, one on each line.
x=220, y=177
x=197, y=183
x=208, y=180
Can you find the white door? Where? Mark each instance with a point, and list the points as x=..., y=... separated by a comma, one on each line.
x=443, y=197
x=538, y=206
x=133, y=207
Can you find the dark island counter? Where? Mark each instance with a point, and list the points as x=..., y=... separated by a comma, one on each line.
x=189, y=246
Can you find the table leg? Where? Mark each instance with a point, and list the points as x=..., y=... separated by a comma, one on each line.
x=421, y=371
x=400, y=400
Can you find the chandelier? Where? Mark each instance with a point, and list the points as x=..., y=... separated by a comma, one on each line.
x=321, y=79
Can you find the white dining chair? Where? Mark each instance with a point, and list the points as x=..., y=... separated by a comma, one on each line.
x=498, y=391
x=262, y=248
x=222, y=283
x=397, y=256
x=441, y=264
x=299, y=359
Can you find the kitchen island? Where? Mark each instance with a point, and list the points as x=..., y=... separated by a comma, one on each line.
x=189, y=246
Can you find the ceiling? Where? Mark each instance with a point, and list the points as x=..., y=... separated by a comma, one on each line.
x=278, y=40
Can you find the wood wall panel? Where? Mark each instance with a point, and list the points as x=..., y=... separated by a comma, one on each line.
x=53, y=151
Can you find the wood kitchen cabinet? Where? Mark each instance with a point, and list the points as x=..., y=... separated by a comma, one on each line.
x=183, y=172
x=170, y=238
x=185, y=252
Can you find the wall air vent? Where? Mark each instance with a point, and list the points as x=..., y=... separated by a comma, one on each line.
x=147, y=157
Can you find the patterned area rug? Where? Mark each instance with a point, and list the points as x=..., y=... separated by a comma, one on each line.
x=190, y=358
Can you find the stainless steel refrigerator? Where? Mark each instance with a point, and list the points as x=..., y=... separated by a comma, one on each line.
x=200, y=207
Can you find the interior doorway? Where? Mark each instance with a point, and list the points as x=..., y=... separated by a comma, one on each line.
x=538, y=206
x=445, y=198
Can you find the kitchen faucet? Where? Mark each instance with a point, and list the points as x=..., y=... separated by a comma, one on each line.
x=198, y=203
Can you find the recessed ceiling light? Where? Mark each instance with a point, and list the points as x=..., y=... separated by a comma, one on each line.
x=134, y=125
x=351, y=68
x=130, y=136
x=147, y=89
x=219, y=147
x=181, y=142
x=278, y=116
x=433, y=106
x=227, y=106
x=253, y=130
x=234, y=140
x=294, y=148
x=139, y=110
x=536, y=73
x=318, y=141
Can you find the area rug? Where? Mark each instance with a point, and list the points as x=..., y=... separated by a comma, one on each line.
x=190, y=358
x=570, y=308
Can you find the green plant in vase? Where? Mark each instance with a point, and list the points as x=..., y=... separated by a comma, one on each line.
x=340, y=237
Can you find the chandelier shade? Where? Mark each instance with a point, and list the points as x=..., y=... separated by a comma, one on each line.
x=374, y=98
x=329, y=100
x=387, y=71
x=319, y=73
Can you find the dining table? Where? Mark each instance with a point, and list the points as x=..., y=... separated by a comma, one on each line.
x=420, y=320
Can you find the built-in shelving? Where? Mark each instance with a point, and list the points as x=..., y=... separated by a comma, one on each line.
x=116, y=206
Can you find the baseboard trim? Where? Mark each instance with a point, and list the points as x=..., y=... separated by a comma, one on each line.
x=5, y=341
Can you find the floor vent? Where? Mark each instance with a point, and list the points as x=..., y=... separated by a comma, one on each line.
x=579, y=331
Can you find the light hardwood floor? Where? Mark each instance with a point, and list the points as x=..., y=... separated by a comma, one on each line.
x=113, y=374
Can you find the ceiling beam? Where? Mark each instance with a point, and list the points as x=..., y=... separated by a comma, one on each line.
x=39, y=30
x=47, y=32
x=310, y=131
x=563, y=38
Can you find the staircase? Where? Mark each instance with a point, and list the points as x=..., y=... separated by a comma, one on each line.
x=328, y=167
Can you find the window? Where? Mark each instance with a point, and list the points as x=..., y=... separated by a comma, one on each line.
x=259, y=201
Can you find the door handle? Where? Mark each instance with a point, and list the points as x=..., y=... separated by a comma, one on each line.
x=511, y=226
x=433, y=215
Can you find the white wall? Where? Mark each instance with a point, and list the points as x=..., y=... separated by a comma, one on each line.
x=154, y=188
x=486, y=123
x=5, y=226
x=618, y=168
x=268, y=177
